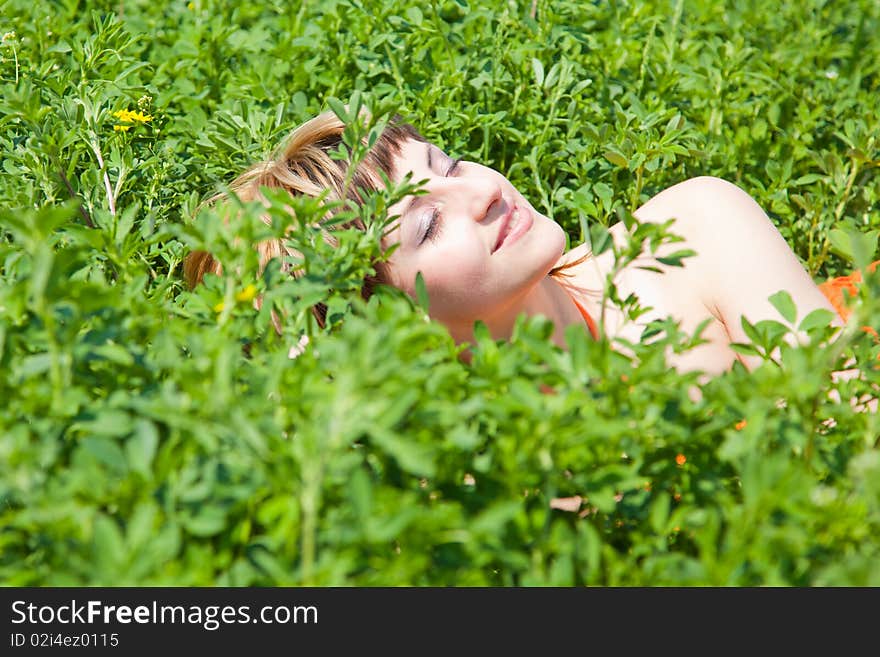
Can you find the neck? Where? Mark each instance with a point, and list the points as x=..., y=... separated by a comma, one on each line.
x=547, y=298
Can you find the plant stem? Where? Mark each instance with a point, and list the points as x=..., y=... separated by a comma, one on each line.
x=634, y=202
x=96, y=149
x=838, y=212
x=15, y=55
x=85, y=213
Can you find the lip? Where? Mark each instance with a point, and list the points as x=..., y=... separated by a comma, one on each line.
x=505, y=235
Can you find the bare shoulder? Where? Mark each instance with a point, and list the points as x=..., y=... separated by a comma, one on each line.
x=696, y=205
x=705, y=210
x=742, y=259
x=717, y=220
x=702, y=195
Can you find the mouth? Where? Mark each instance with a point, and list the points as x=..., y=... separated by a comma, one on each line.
x=514, y=222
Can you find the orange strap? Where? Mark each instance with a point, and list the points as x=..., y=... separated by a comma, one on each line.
x=590, y=323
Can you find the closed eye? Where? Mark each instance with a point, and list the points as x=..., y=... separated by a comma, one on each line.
x=433, y=226
x=453, y=167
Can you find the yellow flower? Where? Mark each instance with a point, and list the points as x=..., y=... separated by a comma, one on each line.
x=122, y=128
x=219, y=307
x=247, y=294
x=140, y=117
x=128, y=116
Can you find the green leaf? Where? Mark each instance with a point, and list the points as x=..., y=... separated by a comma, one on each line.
x=40, y=269
x=141, y=447
x=140, y=526
x=124, y=223
x=481, y=332
x=616, y=158
x=464, y=438
x=108, y=542
x=538, y=70
x=674, y=259
x=864, y=248
x=32, y=365
x=114, y=353
x=107, y=422
x=783, y=302
x=840, y=243
x=422, y=292
x=166, y=544
x=338, y=109
x=414, y=16
x=106, y=451
x=653, y=328
x=660, y=513
x=208, y=521
x=807, y=179
x=816, y=318
x=857, y=247
x=745, y=349
x=360, y=493
x=604, y=192
x=749, y=329
x=600, y=239
x=412, y=457
x=493, y=520
x=603, y=499
x=771, y=332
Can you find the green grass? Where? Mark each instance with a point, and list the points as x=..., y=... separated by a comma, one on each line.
x=140, y=444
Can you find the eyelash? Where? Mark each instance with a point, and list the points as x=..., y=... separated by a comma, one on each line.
x=433, y=227
x=451, y=170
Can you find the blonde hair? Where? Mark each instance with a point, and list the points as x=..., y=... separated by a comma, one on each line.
x=303, y=166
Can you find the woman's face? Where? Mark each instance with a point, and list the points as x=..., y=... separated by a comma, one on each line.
x=479, y=245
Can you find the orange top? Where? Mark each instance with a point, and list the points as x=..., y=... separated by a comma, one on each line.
x=833, y=290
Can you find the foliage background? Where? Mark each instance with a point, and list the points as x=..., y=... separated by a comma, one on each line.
x=140, y=444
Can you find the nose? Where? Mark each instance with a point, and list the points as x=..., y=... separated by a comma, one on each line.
x=476, y=194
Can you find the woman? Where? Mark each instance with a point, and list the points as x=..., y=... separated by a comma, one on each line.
x=486, y=254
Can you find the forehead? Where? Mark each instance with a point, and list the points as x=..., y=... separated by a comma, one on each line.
x=413, y=158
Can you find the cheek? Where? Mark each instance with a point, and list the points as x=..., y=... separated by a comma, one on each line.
x=457, y=271
x=458, y=280
x=448, y=267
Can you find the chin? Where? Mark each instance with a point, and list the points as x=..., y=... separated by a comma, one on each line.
x=547, y=248
x=555, y=242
